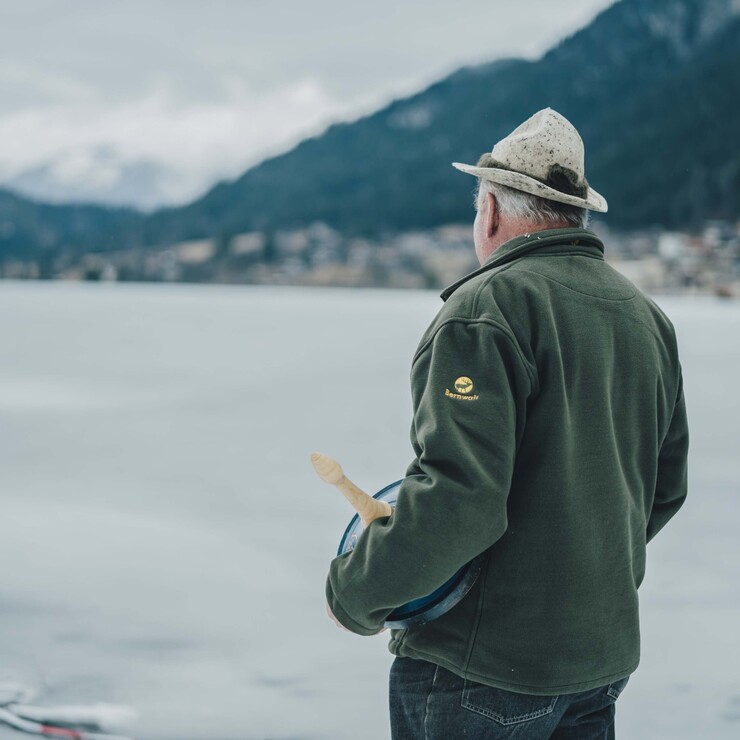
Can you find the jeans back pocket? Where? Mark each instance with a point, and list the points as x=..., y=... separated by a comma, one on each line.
x=505, y=707
x=616, y=688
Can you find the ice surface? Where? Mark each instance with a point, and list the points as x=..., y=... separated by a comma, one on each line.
x=165, y=539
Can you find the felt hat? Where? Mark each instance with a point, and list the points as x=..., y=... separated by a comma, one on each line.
x=544, y=156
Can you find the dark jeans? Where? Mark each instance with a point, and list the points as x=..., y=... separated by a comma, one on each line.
x=428, y=702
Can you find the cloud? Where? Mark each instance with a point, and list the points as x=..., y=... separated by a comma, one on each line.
x=37, y=85
x=201, y=92
x=197, y=142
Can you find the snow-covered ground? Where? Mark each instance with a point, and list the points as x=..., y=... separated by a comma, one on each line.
x=164, y=540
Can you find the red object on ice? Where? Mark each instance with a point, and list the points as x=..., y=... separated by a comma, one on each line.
x=60, y=732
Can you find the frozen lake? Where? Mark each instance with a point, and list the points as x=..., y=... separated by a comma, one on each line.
x=165, y=541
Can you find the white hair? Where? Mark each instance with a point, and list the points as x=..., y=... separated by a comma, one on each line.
x=529, y=208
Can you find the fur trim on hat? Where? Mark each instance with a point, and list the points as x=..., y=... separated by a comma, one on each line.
x=559, y=177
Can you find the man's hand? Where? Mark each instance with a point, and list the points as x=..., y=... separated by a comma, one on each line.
x=341, y=626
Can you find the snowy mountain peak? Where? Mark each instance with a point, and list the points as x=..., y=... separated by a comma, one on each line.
x=98, y=174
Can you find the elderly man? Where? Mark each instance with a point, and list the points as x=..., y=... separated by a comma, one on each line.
x=550, y=434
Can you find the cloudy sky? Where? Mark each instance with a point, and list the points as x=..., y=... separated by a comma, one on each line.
x=103, y=100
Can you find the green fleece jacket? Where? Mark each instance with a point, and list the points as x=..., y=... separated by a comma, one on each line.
x=550, y=434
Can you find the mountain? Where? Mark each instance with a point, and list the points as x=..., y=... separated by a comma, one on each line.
x=29, y=229
x=652, y=85
x=102, y=176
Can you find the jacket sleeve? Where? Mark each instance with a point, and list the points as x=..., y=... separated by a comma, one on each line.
x=470, y=386
x=671, y=483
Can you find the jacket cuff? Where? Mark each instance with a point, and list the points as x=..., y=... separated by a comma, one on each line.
x=343, y=616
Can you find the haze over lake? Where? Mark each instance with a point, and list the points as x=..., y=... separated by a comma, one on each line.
x=165, y=540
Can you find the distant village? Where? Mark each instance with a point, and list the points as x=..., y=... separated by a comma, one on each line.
x=657, y=261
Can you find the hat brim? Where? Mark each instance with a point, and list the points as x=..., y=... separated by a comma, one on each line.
x=593, y=201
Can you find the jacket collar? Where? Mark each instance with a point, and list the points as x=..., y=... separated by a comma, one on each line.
x=551, y=241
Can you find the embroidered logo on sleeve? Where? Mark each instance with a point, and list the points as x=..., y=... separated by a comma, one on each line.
x=464, y=387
